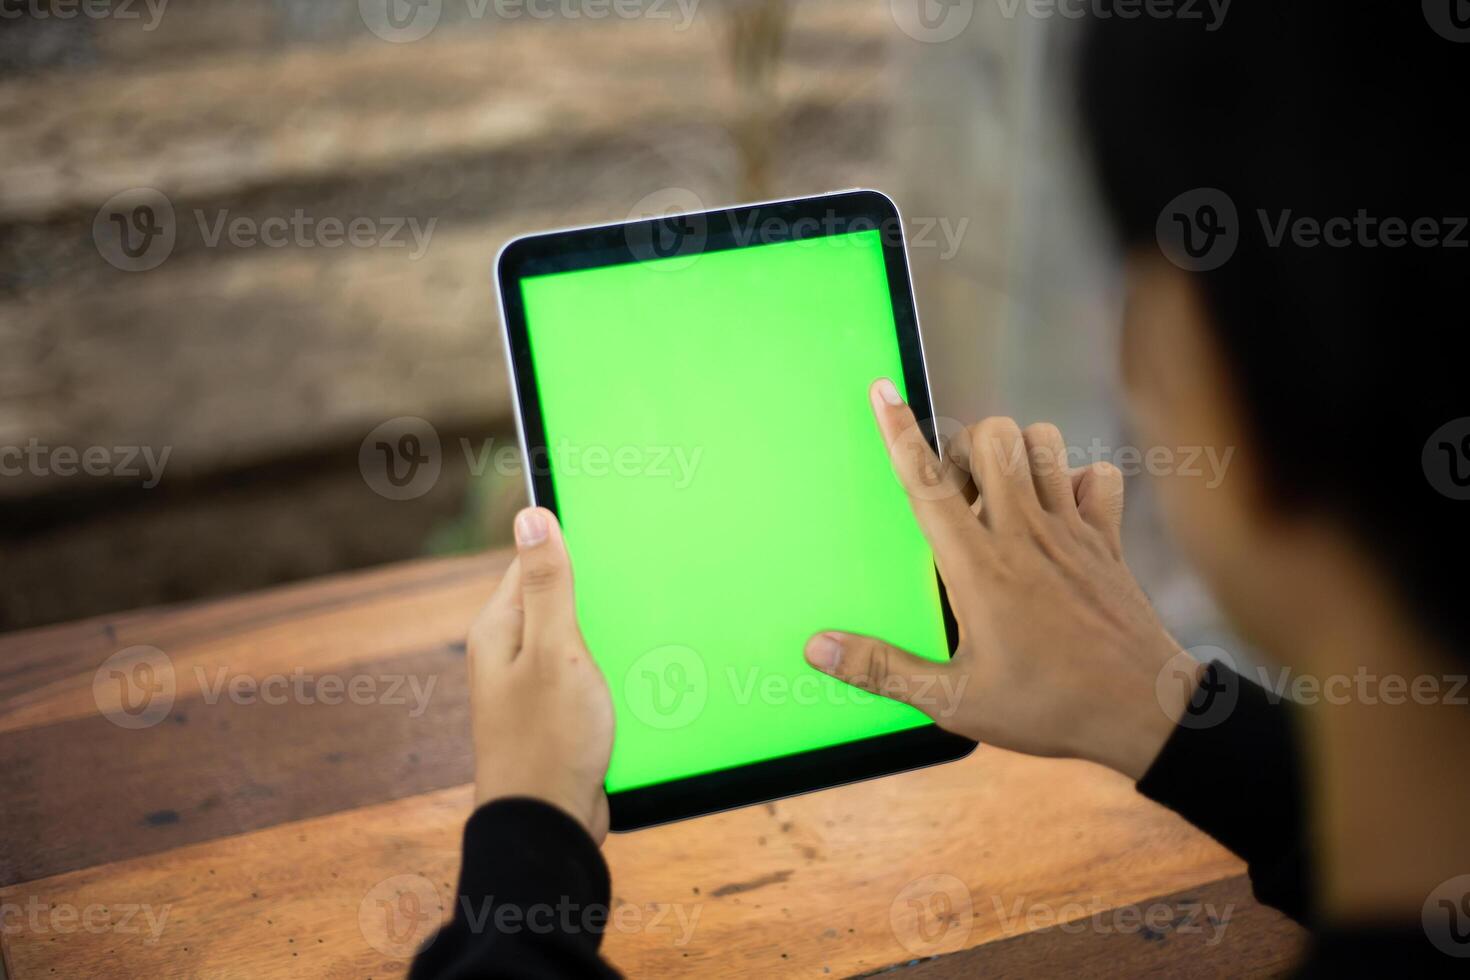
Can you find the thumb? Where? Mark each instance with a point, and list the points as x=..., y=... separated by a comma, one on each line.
x=881, y=668
x=546, y=579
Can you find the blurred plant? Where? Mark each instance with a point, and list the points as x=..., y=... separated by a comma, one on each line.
x=491, y=500
x=755, y=32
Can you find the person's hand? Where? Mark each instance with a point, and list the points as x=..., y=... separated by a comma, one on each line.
x=1059, y=651
x=541, y=713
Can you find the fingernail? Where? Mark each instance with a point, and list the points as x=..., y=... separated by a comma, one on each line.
x=888, y=392
x=824, y=651
x=530, y=527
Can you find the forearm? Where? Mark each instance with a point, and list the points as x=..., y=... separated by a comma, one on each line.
x=1234, y=771
x=532, y=899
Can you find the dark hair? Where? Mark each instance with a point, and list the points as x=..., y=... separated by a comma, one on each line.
x=1349, y=358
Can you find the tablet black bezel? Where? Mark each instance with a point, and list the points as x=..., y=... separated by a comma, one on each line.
x=687, y=236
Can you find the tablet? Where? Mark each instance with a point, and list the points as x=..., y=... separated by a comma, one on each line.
x=692, y=397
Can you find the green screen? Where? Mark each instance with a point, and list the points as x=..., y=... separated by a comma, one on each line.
x=725, y=494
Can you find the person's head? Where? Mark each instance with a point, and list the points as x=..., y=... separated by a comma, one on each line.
x=1290, y=194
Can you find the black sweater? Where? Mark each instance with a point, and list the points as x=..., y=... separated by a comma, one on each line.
x=1239, y=780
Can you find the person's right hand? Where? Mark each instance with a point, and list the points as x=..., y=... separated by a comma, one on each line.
x=1059, y=651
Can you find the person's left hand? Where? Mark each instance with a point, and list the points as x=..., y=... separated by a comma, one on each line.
x=541, y=713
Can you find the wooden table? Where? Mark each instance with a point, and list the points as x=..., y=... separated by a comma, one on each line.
x=291, y=768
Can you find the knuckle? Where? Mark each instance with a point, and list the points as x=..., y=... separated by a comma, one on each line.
x=1001, y=426
x=1007, y=447
x=540, y=577
x=1043, y=432
x=875, y=666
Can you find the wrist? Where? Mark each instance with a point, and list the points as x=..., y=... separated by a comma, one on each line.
x=584, y=810
x=1147, y=715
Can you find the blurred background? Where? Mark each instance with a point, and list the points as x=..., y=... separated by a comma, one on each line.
x=240, y=237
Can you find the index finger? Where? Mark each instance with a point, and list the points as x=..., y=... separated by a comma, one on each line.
x=935, y=488
x=496, y=631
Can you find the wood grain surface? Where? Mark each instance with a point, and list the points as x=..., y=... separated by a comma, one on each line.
x=242, y=838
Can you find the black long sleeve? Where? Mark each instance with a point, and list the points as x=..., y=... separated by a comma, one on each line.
x=1233, y=769
x=532, y=903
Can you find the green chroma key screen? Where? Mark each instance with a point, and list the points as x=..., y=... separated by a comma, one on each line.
x=725, y=494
